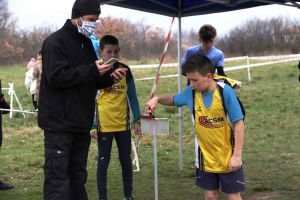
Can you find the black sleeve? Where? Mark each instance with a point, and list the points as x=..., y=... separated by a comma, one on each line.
x=59, y=72
x=105, y=80
x=4, y=105
x=221, y=71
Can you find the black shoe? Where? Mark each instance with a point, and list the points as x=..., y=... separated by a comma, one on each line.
x=128, y=198
x=4, y=186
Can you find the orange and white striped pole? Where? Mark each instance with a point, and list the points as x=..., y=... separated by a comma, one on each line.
x=161, y=61
x=149, y=111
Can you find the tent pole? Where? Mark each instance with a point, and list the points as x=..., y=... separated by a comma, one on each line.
x=180, y=88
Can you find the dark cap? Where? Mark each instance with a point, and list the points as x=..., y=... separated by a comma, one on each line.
x=85, y=7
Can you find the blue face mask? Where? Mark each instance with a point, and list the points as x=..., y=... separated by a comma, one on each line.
x=87, y=28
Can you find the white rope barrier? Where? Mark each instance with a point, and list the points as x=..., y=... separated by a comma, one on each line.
x=297, y=57
x=151, y=78
x=236, y=58
x=275, y=57
x=225, y=60
x=20, y=111
x=12, y=94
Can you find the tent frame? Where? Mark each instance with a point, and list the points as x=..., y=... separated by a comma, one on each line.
x=184, y=8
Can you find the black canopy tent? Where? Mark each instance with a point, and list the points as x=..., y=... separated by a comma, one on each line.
x=185, y=8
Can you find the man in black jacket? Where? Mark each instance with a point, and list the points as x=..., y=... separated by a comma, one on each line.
x=4, y=105
x=71, y=74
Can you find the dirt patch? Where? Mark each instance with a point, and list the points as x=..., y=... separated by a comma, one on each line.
x=262, y=196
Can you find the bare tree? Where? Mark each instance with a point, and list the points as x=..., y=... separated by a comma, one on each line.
x=10, y=50
x=32, y=39
x=262, y=37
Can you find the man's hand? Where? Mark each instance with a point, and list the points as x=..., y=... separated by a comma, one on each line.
x=102, y=68
x=118, y=74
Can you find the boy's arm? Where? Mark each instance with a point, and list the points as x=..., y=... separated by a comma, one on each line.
x=132, y=96
x=134, y=105
x=220, y=71
x=236, y=159
x=183, y=98
x=164, y=100
x=184, y=58
x=220, y=65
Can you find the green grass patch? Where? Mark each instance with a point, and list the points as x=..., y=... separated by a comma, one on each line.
x=270, y=156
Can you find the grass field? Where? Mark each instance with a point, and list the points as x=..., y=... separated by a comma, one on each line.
x=271, y=159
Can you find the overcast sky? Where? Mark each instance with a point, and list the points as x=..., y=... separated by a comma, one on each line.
x=37, y=12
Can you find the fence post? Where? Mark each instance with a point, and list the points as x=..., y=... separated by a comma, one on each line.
x=249, y=77
x=12, y=93
x=10, y=90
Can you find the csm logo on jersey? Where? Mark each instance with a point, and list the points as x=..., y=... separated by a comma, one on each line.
x=210, y=122
x=118, y=87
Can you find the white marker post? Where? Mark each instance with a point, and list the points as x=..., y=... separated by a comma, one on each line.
x=155, y=126
x=12, y=94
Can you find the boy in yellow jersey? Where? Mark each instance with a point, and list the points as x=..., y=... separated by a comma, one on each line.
x=113, y=117
x=219, y=131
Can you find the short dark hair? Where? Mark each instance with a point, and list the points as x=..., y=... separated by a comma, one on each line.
x=108, y=39
x=198, y=63
x=39, y=52
x=207, y=32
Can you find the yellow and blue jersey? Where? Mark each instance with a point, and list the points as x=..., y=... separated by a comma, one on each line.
x=114, y=103
x=214, y=138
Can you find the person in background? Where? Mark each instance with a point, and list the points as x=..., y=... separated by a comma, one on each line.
x=219, y=128
x=96, y=43
x=113, y=109
x=3, y=105
x=71, y=75
x=299, y=69
x=30, y=84
x=31, y=63
x=37, y=73
x=207, y=36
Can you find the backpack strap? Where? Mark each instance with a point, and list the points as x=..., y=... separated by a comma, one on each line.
x=220, y=87
x=193, y=94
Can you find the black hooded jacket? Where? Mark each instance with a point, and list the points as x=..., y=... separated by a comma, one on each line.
x=69, y=81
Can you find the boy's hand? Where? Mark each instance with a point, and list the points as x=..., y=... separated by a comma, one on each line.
x=235, y=163
x=118, y=74
x=137, y=128
x=102, y=68
x=94, y=133
x=151, y=104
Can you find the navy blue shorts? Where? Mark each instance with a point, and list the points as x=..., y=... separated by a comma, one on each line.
x=231, y=182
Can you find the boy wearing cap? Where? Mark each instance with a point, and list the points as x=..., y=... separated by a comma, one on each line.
x=71, y=75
